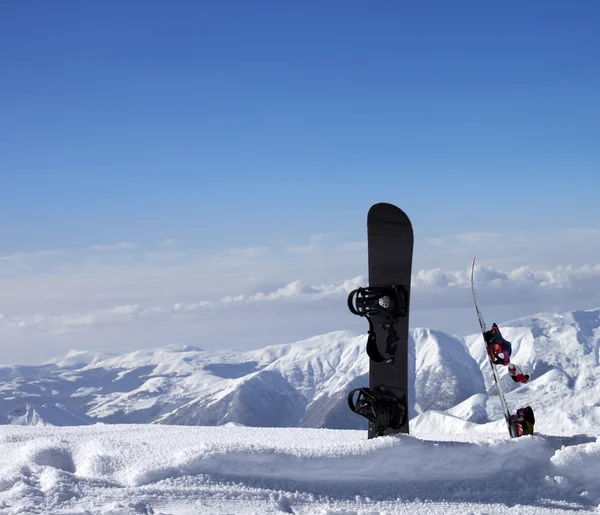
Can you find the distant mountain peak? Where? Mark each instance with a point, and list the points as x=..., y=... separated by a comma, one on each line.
x=306, y=383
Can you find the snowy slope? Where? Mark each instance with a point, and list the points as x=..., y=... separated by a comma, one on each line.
x=447, y=374
x=301, y=384
x=561, y=352
x=126, y=469
x=305, y=384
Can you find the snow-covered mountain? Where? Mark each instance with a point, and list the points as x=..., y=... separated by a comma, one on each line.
x=561, y=352
x=301, y=384
x=305, y=384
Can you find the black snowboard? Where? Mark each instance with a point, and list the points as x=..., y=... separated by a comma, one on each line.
x=385, y=304
x=390, y=244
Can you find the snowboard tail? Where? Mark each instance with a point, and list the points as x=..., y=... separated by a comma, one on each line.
x=385, y=304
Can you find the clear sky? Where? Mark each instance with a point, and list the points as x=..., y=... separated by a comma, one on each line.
x=140, y=139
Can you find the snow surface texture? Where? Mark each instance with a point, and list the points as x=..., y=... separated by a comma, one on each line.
x=133, y=469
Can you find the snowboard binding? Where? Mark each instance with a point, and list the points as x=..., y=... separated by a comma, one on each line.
x=517, y=375
x=386, y=303
x=522, y=422
x=499, y=349
x=379, y=406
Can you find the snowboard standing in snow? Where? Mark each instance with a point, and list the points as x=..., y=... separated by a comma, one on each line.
x=385, y=304
x=498, y=353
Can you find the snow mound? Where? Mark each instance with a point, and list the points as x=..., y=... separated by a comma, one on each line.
x=166, y=469
x=473, y=409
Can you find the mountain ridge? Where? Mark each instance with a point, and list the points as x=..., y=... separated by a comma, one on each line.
x=305, y=383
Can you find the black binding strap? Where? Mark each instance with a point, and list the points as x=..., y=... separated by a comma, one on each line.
x=372, y=349
x=387, y=303
x=379, y=406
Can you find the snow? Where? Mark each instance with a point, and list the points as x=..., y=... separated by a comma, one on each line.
x=183, y=430
x=309, y=381
x=446, y=372
x=561, y=352
x=234, y=469
x=186, y=385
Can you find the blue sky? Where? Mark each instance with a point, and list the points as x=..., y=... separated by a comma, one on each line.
x=144, y=120
x=223, y=125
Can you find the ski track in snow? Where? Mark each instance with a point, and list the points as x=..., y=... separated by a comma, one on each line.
x=154, y=469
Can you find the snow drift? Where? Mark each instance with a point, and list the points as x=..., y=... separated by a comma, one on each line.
x=167, y=469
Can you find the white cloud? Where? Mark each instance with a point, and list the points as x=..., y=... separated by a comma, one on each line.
x=435, y=277
x=438, y=288
x=164, y=256
x=180, y=306
x=322, y=244
x=260, y=294
x=293, y=289
x=230, y=298
x=431, y=289
x=510, y=250
x=53, y=324
x=124, y=245
x=22, y=256
x=249, y=252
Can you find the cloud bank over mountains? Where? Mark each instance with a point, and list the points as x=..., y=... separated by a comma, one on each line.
x=433, y=288
x=128, y=294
